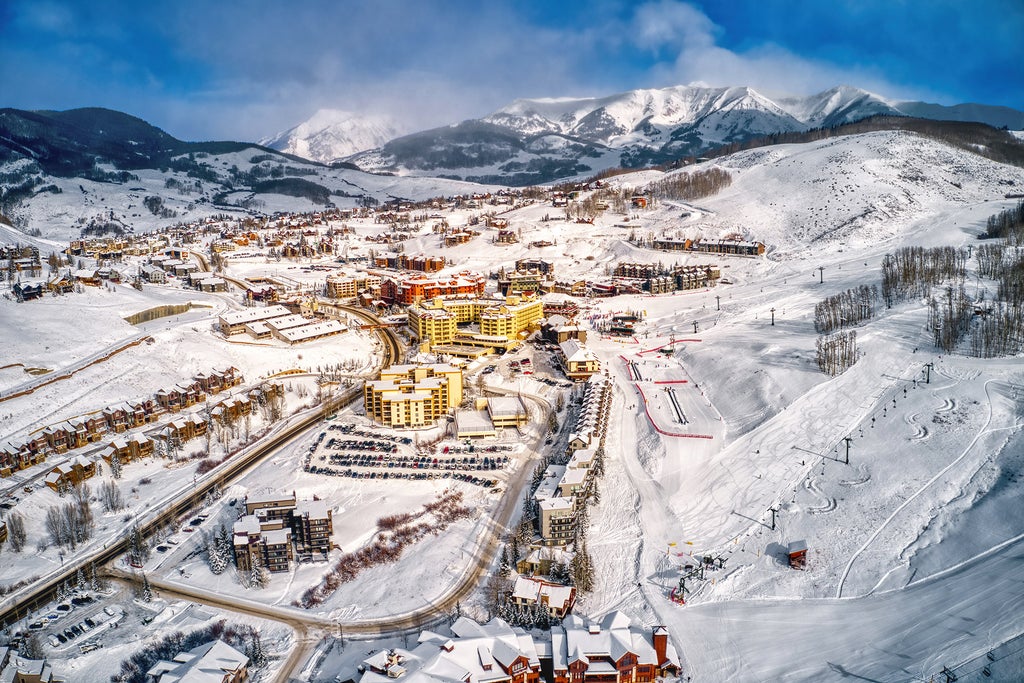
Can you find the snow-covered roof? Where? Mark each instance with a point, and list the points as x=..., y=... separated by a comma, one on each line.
x=207, y=662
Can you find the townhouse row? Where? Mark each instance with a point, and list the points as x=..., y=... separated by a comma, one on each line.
x=80, y=431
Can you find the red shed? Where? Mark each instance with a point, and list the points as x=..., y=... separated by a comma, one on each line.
x=798, y=554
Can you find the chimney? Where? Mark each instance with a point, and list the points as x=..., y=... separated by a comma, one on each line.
x=660, y=643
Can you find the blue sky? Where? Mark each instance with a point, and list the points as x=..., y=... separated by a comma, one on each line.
x=243, y=70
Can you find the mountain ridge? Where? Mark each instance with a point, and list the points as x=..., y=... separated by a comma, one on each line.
x=543, y=139
x=332, y=135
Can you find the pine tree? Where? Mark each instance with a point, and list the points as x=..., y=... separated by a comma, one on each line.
x=257, y=656
x=80, y=580
x=257, y=578
x=147, y=591
x=215, y=556
x=94, y=582
x=115, y=466
x=581, y=569
x=503, y=568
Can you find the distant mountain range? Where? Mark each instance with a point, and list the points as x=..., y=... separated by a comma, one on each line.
x=97, y=170
x=94, y=168
x=544, y=139
x=331, y=135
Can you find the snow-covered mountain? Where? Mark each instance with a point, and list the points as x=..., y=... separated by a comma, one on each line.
x=332, y=134
x=103, y=171
x=537, y=140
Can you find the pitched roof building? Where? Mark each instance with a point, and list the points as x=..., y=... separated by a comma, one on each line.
x=212, y=662
x=579, y=651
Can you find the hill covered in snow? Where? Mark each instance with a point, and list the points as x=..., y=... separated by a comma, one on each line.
x=108, y=172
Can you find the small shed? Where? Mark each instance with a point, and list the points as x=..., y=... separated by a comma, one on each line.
x=798, y=554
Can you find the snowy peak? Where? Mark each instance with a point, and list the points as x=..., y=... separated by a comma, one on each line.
x=542, y=140
x=652, y=111
x=332, y=134
x=835, y=106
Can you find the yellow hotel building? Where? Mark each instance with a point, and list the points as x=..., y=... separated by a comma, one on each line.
x=413, y=395
x=438, y=319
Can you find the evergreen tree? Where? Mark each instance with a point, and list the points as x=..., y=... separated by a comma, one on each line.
x=257, y=656
x=513, y=550
x=257, y=578
x=147, y=591
x=115, y=466
x=215, y=556
x=80, y=580
x=503, y=568
x=541, y=617
x=581, y=569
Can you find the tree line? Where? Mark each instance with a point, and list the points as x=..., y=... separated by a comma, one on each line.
x=836, y=353
x=911, y=272
x=1007, y=224
x=690, y=186
x=845, y=309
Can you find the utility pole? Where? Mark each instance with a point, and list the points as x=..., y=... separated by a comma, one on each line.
x=848, y=440
x=773, y=511
x=718, y=302
x=928, y=369
x=773, y=316
x=821, y=274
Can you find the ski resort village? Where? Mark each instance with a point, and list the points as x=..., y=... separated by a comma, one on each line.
x=748, y=416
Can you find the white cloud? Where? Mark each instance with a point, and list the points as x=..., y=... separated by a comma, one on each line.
x=688, y=43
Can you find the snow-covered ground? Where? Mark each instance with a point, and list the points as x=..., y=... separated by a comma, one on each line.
x=914, y=545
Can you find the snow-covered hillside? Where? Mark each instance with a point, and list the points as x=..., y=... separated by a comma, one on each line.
x=855, y=190
x=75, y=203
x=332, y=134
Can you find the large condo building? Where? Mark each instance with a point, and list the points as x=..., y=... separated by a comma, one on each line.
x=413, y=395
x=499, y=317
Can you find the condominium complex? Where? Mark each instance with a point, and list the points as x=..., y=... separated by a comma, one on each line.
x=275, y=527
x=500, y=318
x=413, y=395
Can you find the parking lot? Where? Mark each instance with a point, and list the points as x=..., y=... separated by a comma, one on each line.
x=76, y=622
x=365, y=454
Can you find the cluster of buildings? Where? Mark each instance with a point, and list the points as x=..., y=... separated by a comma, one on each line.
x=658, y=279
x=729, y=247
x=563, y=490
x=276, y=528
x=611, y=650
x=160, y=267
x=81, y=431
x=472, y=326
x=414, y=395
x=18, y=261
x=278, y=322
x=417, y=262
